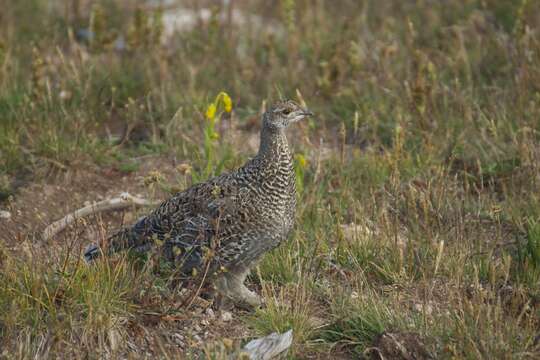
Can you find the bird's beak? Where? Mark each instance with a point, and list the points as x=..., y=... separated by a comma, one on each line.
x=301, y=114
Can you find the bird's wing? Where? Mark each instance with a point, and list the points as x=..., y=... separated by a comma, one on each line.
x=188, y=221
x=202, y=218
x=211, y=204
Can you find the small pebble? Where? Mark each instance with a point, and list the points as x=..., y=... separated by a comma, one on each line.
x=179, y=339
x=65, y=95
x=226, y=316
x=5, y=214
x=210, y=313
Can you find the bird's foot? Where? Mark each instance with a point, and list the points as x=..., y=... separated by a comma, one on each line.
x=246, y=302
x=235, y=292
x=249, y=299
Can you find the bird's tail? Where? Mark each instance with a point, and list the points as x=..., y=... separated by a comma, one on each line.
x=132, y=238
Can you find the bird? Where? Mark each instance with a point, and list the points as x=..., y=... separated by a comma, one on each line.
x=225, y=225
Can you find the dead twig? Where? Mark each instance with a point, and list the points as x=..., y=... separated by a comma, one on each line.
x=125, y=200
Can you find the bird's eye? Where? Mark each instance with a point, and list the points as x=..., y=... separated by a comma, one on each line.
x=286, y=111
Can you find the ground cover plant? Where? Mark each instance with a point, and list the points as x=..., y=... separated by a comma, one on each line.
x=418, y=227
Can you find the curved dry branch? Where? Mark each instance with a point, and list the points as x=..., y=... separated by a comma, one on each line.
x=125, y=200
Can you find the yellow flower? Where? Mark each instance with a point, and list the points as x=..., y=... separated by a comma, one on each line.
x=211, y=111
x=302, y=162
x=227, y=102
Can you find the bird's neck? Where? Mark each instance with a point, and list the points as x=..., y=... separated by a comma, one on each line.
x=274, y=145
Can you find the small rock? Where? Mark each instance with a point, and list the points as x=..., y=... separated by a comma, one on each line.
x=5, y=214
x=226, y=316
x=197, y=328
x=179, y=339
x=210, y=313
x=204, y=322
x=65, y=95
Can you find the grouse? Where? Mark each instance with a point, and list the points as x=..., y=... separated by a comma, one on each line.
x=223, y=226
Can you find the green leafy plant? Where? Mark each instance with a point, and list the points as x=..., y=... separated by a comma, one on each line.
x=222, y=103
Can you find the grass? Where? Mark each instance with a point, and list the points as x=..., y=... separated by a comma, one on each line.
x=50, y=300
x=418, y=178
x=359, y=319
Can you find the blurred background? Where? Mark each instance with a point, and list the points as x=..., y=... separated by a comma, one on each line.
x=78, y=69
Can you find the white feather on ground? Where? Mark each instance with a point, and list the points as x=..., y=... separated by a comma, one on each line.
x=268, y=347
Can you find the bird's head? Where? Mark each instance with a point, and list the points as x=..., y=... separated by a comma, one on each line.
x=283, y=113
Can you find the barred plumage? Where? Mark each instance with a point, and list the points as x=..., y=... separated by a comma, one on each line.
x=237, y=216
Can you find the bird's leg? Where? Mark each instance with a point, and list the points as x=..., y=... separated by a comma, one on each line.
x=231, y=286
